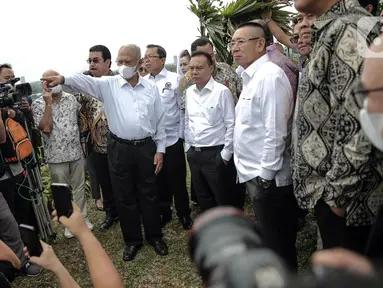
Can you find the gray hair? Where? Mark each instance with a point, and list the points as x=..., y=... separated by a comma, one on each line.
x=133, y=48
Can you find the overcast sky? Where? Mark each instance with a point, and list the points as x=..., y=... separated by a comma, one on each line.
x=40, y=34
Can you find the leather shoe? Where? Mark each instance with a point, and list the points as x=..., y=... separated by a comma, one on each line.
x=130, y=252
x=165, y=219
x=160, y=247
x=108, y=222
x=187, y=222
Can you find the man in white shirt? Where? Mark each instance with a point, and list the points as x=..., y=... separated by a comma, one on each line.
x=172, y=179
x=136, y=120
x=262, y=138
x=209, y=126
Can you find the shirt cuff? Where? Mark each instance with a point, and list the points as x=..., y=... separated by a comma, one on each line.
x=267, y=174
x=161, y=147
x=226, y=155
x=68, y=80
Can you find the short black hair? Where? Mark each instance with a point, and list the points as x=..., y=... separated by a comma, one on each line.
x=5, y=66
x=268, y=35
x=160, y=50
x=185, y=53
x=105, y=53
x=200, y=42
x=374, y=3
x=203, y=53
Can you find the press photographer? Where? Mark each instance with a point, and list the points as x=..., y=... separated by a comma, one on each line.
x=13, y=183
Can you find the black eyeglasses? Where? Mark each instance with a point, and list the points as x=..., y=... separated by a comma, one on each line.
x=367, y=91
x=94, y=60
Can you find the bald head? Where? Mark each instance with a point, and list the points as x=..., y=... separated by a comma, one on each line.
x=50, y=73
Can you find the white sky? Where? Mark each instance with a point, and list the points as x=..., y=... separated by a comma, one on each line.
x=57, y=35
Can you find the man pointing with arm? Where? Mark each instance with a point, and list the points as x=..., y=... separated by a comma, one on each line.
x=136, y=145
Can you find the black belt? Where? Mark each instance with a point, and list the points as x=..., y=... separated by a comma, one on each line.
x=201, y=149
x=139, y=142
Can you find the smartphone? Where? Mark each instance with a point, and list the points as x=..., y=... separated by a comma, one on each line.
x=31, y=239
x=62, y=198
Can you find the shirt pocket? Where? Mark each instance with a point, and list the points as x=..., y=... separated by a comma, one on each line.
x=245, y=111
x=211, y=113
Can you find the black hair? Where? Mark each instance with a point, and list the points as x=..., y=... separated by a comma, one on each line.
x=160, y=50
x=200, y=42
x=105, y=53
x=203, y=53
x=185, y=53
x=5, y=66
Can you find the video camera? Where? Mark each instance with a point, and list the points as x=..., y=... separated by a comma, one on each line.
x=11, y=95
x=228, y=252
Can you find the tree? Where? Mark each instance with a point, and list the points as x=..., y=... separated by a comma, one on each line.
x=218, y=22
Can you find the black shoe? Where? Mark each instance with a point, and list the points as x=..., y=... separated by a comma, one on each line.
x=187, y=222
x=165, y=219
x=160, y=247
x=108, y=222
x=130, y=252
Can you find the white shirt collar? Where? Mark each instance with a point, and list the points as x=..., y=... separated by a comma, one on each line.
x=209, y=86
x=250, y=71
x=140, y=81
x=163, y=73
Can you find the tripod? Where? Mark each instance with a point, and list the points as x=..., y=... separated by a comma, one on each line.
x=36, y=193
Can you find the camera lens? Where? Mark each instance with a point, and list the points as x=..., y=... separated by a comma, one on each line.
x=220, y=234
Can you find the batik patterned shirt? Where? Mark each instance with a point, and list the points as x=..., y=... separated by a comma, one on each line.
x=332, y=158
x=63, y=143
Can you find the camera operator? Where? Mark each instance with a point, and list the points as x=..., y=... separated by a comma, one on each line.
x=13, y=183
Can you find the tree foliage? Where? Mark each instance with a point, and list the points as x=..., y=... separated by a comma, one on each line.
x=218, y=22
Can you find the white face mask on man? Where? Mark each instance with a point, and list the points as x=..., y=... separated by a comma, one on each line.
x=57, y=89
x=127, y=72
x=372, y=125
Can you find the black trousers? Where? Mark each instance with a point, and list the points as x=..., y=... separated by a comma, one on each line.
x=16, y=192
x=7, y=273
x=101, y=169
x=94, y=183
x=134, y=186
x=335, y=233
x=171, y=181
x=209, y=176
x=276, y=213
x=237, y=192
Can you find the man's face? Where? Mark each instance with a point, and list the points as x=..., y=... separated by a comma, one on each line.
x=152, y=61
x=303, y=28
x=97, y=66
x=200, y=70
x=247, y=46
x=6, y=74
x=209, y=50
x=128, y=58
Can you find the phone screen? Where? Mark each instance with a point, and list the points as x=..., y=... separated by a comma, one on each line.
x=31, y=239
x=62, y=199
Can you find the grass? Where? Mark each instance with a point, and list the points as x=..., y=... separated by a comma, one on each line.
x=148, y=269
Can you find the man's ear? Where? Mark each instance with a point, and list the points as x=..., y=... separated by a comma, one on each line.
x=108, y=62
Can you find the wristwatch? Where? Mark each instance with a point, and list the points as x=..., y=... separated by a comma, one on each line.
x=264, y=183
x=267, y=20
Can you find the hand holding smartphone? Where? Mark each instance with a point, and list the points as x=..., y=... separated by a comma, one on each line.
x=62, y=199
x=31, y=239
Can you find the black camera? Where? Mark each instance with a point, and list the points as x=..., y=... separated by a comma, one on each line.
x=228, y=252
x=11, y=95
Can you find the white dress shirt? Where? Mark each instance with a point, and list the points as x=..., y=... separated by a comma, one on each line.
x=168, y=85
x=133, y=113
x=263, y=124
x=210, y=117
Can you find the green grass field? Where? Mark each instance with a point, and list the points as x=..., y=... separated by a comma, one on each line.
x=148, y=269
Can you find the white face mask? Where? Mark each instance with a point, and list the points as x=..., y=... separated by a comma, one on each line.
x=127, y=72
x=57, y=89
x=372, y=125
